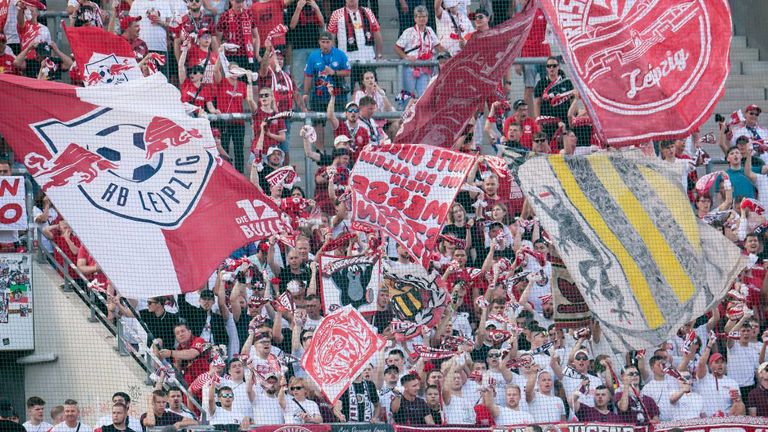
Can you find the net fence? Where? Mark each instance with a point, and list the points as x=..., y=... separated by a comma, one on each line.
x=509, y=311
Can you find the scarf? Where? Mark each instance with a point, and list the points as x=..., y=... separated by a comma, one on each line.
x=349, y=30
x=248, y=38
x=356, y=399
x=282, y=86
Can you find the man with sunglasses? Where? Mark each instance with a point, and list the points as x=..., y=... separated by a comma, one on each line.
x=351, y=127
x=265, y=398
x=633, y=407
x=158, y=321
x=224, y=414
x=552, y=95
x=576, y=377
x=750, y=129
x=528, y=126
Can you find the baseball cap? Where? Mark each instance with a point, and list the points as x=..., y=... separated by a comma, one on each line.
x=203, y=31
x=349, y=104
x=715, y=357
x=207, y=294
x=271, y=375
x=125, y=21
x=583, y=351
x=482, y=11
x=326, y=35
x=341, y=139
x=272, y=150
x=763, y=366
x=35, y=4
x=518, y=103
x=753, y=107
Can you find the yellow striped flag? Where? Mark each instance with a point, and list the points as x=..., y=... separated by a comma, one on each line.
x=624, y=228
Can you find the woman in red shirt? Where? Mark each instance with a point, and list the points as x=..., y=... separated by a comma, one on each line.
x=230, y=94
x=199, y=52
x=266, y=133
x=193, y=90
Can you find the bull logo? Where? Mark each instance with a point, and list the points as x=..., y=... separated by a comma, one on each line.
x=109, y=69
x=146, y=169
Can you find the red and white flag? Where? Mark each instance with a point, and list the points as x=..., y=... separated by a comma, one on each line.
x=4, y=5
x=139, y=181
x=662, y=61
x=341, y=346
x=442, y=112
x=406, y=190
x=103, y=57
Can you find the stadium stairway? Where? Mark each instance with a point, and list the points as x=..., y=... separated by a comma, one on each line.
x=88, y=368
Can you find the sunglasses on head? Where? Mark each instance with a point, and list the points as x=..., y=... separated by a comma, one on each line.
x=294, y=388
x=552, y=66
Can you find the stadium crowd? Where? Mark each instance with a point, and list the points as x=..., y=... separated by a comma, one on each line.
x=217, y=342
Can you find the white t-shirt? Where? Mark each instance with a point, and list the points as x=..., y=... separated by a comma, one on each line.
x=62, y=427
x=154, y=35
x=415, y=42
x=445, y=30
x=689, y=406
x=292, y=410
x=42, y=427
x=225, y=417
x=546, y=409
x=660, y=391
x=267, y=410
x=460, y=410
x=742, y=364
x=715, y=392
x=507, y=416
x=571, y=385
x=241, y=403
x=11, y=33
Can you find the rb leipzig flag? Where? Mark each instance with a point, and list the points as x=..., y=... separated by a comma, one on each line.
x=139, y=181
x=341, y=346
x=406, y=190
x=442, y=112
x=662, y=61
x=103, y=57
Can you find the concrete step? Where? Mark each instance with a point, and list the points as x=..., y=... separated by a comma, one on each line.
x=739, y=42
x=748, y=93
x=745, y=54
x=747, y=81
x=754, y=67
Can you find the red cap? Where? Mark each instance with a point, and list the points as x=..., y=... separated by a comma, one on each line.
x=125, y=21
x=35, y=4
x=753, y=107
x=203, y=31
x=715, y=357
x=216, y=133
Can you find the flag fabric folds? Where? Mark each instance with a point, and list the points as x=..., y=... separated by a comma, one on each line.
x=624, y=228
x=440, y=115
x=139, y=181
x=102, y=57
x=662, y=61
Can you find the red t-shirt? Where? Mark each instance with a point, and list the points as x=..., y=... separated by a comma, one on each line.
x=193, y=368
x=61, y=243
x=529, y=129
x=6, y=64
x=196, y=57
x=360, y=139
x=188, y=91
x=282, y=87
x=534, y=46
x=89, y=261
x=274, y=127
x=193, y=25
x=268, y=15
x=229, y=98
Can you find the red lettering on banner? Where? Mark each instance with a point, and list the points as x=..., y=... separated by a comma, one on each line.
x=12, y=207
x=10, y=186
x=398, y=199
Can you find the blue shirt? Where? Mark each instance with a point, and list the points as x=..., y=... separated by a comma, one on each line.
x=741, y=184
x=316, y=62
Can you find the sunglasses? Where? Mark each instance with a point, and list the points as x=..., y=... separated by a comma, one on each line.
x=539, y=140
x=306, y=338
x=264, y=95
x=353, y=110
x=480, y=16
x=633, y=374
x=193, y=1
x=494, y=355
x=228, y=396
x=297, y=388
x=552, y=66
x=581, y=357
x=754, y=113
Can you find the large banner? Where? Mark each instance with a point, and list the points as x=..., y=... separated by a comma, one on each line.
x=624, y=228
x=16, y=324
x=662, y=61
x=406, y=190
x=465, y=83
x=416, y=297
x=139, y=180
x=341, y=346
x=351, y=281
x=716, y=424
x=13, y=204
x=571, y=311
x=102, y=57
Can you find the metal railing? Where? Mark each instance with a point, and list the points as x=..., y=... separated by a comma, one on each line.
x=145, y=358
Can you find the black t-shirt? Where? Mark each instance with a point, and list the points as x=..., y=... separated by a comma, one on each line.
x=168, y=418
x=112, y=428
x=161, y=327
x=561, y=106
x=412, y=412
x=382, y=319
x=33, y=68
x=9, y=426
x=286, y=275
x=456, y=231
x=373, y=395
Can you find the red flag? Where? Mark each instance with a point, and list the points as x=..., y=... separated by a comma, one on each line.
x=341, y=346
x=156, y=225
x=4, y=4
x=406, y=191
x=440, y=115
x=103, y=57
x=663, y=61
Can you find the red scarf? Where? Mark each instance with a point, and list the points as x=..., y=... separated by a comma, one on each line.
x=351, y=39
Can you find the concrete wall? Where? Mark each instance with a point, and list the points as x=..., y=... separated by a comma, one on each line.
x=88, y=368
x=749, y=17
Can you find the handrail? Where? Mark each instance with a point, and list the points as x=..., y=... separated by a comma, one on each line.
x=147, y=363
x=302, y=116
